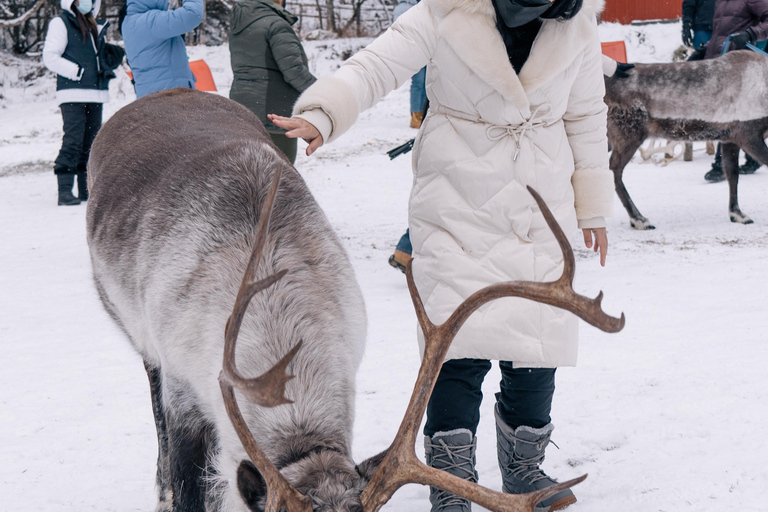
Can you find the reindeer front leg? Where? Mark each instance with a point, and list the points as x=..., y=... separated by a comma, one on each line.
x=730, y=154
x=626, y=132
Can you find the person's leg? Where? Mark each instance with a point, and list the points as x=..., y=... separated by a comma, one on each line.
x=455, y=401
x=418, y=97
x=453, y=413
x=526, y=395
x=418, y=90
x=287, y=146
x=700, y=37
x=750, y=165
x=403, y=252
x=716, y=174
x=92, y=127
x=523, y=430
x=65, y=165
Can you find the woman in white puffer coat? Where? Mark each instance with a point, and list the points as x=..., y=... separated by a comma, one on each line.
x=516, y=98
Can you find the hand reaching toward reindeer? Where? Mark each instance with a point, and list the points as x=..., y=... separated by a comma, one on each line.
x=299, y=128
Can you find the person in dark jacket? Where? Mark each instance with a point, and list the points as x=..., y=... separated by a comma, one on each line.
x=152, y=31
x=269, y=64
x=697, y=22
x=72, y=51
x=736, y=23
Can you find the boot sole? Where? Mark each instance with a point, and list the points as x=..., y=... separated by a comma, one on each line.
x=562, y=503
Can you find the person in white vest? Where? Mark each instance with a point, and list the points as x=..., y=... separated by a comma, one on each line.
x=516, y=99
x=72, y=51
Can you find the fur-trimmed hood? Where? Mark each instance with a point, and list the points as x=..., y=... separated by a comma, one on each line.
x=593, y=7
x=464, y=24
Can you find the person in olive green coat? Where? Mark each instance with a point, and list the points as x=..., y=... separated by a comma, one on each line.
x=269, y=64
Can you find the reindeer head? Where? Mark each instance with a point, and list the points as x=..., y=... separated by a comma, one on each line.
x=330, y=479
x=327, y=480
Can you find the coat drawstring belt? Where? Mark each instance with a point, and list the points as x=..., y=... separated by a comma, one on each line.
x=497, y=132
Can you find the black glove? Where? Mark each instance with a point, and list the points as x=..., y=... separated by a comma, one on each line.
x=621, y=70
x=687, y=35
x=739, y=40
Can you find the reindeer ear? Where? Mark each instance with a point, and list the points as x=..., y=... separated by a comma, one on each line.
x=252, y=487
x=368, y=467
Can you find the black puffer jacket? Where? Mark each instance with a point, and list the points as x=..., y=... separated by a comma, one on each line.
x=734, y=16
x=268, y=61
x=698, y=14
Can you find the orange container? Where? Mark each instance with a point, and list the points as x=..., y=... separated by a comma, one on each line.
x=616, y=50
x=202, y=74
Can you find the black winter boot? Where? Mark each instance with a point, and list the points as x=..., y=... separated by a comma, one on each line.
x=66, y=181
x=716, y=174
x=82, y=186
x=453, y=452
x=750, y=166
x=521, y=452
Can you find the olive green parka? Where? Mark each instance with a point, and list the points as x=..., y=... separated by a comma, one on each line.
x=268, y=61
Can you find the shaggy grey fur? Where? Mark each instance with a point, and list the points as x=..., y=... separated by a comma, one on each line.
x=177, y=183
x=724, y=99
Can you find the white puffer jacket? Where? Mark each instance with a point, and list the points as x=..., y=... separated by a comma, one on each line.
x=488, y=134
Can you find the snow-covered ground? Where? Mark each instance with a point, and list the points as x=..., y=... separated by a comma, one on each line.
x=668, y=415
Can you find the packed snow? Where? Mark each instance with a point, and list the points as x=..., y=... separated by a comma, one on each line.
x=668, y=415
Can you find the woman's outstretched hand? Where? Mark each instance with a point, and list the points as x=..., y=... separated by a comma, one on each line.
x=600, y=243
x=299, y=128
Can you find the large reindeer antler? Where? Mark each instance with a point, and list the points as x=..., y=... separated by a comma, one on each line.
x=400, y=465
x=267, y=390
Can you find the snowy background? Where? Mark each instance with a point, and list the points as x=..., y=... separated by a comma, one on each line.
x=668, y=415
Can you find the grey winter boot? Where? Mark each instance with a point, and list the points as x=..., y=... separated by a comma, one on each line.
x=521, y=452
x=453, y=452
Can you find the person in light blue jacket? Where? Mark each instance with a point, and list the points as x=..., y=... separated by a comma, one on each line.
x=152, y=31
x=418, y=87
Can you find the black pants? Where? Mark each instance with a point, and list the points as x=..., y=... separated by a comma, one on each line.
x=81, y=124
x=525, y=397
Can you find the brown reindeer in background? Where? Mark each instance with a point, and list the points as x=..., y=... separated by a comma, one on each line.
x=724, y=99
x=187, y=193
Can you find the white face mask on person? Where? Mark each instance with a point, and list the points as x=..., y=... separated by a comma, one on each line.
x=84, y=6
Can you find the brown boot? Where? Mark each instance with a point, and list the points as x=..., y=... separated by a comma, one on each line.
x=400, y=260
x=416, y=118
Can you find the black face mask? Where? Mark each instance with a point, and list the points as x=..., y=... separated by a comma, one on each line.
x=516, y=13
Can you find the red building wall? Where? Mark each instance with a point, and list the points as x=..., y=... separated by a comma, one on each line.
x=626, y=11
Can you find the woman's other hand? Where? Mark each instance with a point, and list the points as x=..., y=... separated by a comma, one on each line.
x=600, y=242
x=299, y=128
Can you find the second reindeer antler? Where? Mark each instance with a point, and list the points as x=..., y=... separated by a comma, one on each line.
x=400, y=465
x=267, y=390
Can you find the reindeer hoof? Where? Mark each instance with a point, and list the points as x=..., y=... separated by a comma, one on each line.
x=740, y=218
x=642, y=224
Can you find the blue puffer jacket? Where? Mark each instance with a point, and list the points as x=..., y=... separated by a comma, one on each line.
x=154, y=46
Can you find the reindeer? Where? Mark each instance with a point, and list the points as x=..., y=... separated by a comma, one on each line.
x=721, y=99
x=187, y=191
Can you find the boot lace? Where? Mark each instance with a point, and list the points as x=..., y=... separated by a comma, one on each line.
x=527, y=469
x=451, y=458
